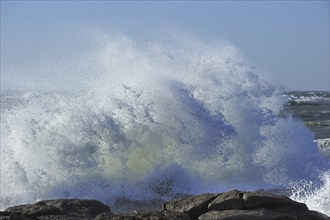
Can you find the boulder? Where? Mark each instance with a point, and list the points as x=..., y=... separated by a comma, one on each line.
x=260, y=214
x=14, y=216
x=193, y=205
x=61, y=209
x=111, y=216
x=310, y=214
x=254, y=200
x=164, y=215
x=34, y=210
x=243, y=205
x=230, y=205
x=229, y=200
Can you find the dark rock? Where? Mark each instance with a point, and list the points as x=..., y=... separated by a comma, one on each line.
x=14, y=216
x=261, y=214
x=164, y=215
x=254, y=200
x=123, y=205
x=111, y=216
x=61, y=209
x=193, y=205
x=37, y=209
x=230, y=205
x=229, y=200
x=312, y=215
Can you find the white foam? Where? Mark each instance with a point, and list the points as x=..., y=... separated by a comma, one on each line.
x=324, y=146
x=155, y=120
x=310, y=98
x=315, y=195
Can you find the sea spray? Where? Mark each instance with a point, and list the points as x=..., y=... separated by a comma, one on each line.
x=151, y=120
x=315, y=195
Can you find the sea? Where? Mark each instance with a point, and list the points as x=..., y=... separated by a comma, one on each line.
x=154, y=121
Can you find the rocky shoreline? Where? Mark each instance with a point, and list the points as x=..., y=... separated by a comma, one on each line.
x=230, y=205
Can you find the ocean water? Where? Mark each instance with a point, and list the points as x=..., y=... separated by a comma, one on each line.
x=152, y=121
x=313, y=109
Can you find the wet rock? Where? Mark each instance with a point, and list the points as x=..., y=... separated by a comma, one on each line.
x=229, y=200
x=164, y=215
x=60, y=209
x=268, y=200
x=193, y=205
x=33, y=210
x=243, y=205
x=229, y=205
x=261, y=214
x=123, y=205
x=111, y=216
x=14, y=216
x=314, y=215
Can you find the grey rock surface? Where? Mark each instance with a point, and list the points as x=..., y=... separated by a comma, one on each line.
x=232, y=205
x=193, y=205
x=59, y=209
x=261, y=214
x=228, y=200
x=268, y=200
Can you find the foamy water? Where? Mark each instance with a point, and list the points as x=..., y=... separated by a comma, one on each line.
x=152, y=120
x=315, y=195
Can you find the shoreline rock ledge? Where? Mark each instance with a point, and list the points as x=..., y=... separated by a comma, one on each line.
x=232, y=205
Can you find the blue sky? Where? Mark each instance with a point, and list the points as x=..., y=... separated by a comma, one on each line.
x=288, y=40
